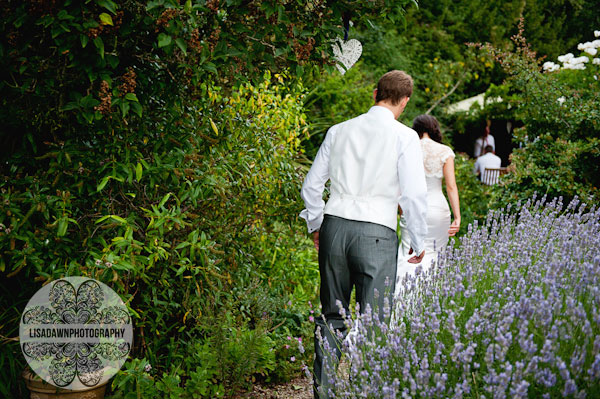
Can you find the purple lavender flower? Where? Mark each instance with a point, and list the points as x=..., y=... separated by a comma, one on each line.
x=511, y=311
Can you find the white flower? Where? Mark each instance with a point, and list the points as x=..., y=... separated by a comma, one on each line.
x=561, y=100
x=596, y=61
x=574, y=66
x=565, y=57
x=586, y=45
x=591, y=51
x=579, y=60
x=596, y=43
x=575, y=63
x=550, y=66
x=597, y=33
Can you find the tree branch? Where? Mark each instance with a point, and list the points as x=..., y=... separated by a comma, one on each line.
x=445, y=96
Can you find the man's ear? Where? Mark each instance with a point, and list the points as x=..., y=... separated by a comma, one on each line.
x=375, y=95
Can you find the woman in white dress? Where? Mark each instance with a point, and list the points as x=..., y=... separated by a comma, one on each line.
x=438, y=160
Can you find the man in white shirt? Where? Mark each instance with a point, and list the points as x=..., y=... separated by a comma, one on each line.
x=484, y=141
x=375, y=164
x=487, y=160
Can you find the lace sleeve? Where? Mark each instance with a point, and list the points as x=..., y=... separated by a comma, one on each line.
x=434, y=157
x=446, y=154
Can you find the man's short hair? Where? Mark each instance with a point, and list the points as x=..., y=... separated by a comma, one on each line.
x=394, y=86
x=488, y=148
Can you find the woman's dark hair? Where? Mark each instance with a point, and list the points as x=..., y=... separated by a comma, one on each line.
x=427, y=124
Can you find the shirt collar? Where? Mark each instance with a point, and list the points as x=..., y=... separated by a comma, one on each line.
x=381, y=112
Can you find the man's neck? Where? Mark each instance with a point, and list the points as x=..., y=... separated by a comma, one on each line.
x=396, y=109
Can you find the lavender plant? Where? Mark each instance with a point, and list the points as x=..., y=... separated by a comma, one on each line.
x=513, y=312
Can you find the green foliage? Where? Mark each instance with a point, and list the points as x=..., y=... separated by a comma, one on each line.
x=441, y=28
x=148, y=146
x=558, y=152
x=334, y=99
x=474, y=196
x=432, y=46
x=175, y=217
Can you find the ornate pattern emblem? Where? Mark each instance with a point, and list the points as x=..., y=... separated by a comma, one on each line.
x=346, y=53
x=76, y=333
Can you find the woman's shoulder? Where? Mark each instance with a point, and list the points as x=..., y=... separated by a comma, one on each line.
x=437, y=147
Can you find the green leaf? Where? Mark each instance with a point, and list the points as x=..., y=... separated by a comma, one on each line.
x=164, y=40
x=118, y=219
x=106, y=19
x=63, y=223
x=138, y=171
x=164, y=200
x=102, y=219
x=88, y=102
x=124, y=108
x=100, y=46
x=279, y=51
x=182, y=45
x=112, y=60
x=102, y=183
x=109, y=5
x=137, y=108
x=131, y=97
x=113, y=217
x=84, y=40
x=154, y=4
x=209, y=66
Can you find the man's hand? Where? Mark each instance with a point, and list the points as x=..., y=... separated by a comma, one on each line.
x=316, y=239
x=416, y=259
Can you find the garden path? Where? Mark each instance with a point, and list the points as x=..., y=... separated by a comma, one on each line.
x=299, y=388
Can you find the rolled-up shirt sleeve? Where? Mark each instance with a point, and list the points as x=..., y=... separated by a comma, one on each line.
x=413, y=200
x=314, y=185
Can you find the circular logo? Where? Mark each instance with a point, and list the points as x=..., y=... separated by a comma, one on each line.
x=75, y=333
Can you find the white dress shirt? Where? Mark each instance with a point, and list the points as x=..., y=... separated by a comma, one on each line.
x=489, y=160
x=483, y=142
x=374, y=163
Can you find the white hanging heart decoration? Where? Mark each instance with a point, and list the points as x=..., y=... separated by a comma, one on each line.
x=346, y=54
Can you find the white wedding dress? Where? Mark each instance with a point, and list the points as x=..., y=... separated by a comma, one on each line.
x=435, y=156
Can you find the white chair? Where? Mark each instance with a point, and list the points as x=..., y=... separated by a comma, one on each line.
x=491, y=175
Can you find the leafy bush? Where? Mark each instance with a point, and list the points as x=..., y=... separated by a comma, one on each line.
x=334, y=99
x=558, y=152
x=137, y=154
x=510, y=313
x=474, y=196
x=173, y=218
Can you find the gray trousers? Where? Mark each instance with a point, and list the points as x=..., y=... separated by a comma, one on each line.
x=351, y=254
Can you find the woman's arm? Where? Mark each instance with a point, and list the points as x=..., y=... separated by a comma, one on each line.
x=452, y=191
